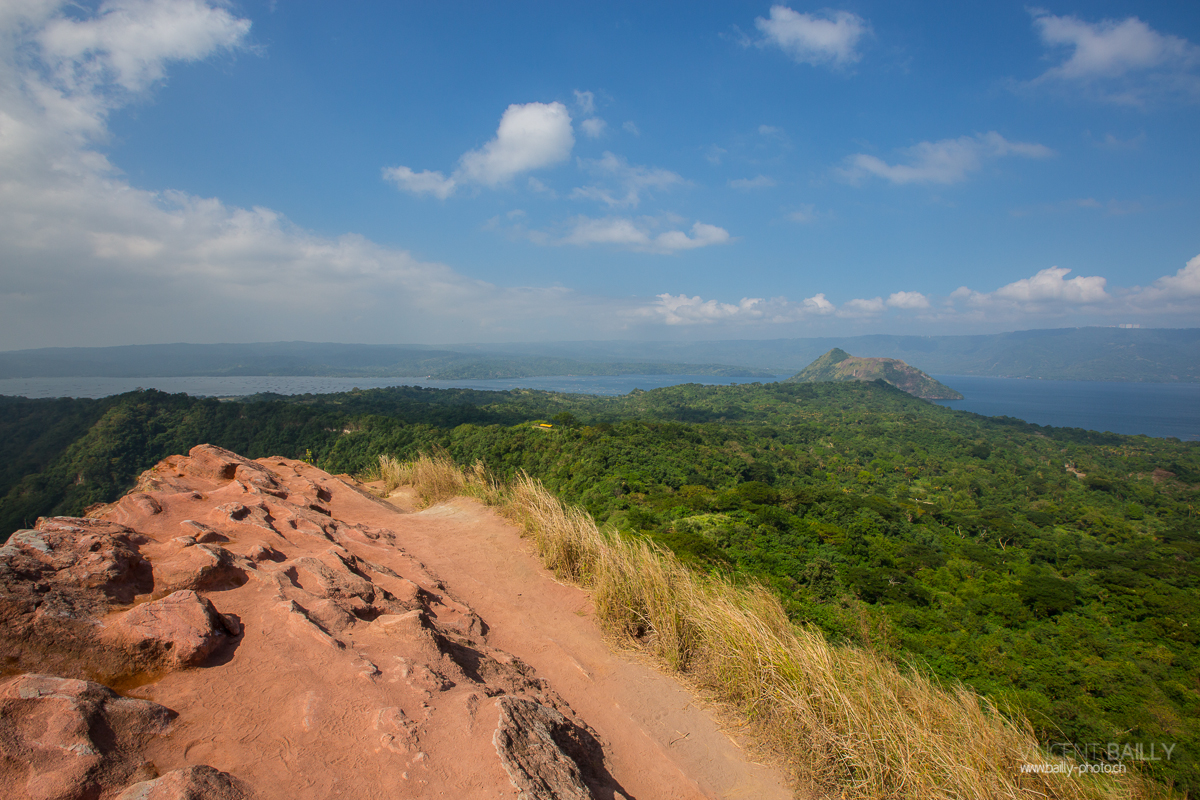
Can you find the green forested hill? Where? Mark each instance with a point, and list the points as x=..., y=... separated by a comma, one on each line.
x=1056, y=570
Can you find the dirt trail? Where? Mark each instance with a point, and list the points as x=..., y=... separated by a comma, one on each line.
x=550, y=626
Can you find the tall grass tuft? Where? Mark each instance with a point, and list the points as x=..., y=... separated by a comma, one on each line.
x=436, y=477
x=840, y=717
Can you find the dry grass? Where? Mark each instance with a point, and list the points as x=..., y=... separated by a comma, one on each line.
x=841, y=717
x=436, y=478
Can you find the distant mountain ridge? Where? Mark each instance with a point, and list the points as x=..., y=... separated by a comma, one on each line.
x=1152, y=355
x=838, y=365
x=329, y=360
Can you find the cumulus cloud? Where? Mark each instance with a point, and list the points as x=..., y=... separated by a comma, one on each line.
x=639, y=235
x=623, y=184
x=530, y=136
x=425, y=182
x=909, y=300
x=945, y=161
x=111, y=263
x=629, y=126
x=818, y=304
x=685, y=310
x=826, y=38
x=1049, y=285
x=1172, y=291
x=862, y=308
x=1123, y=61
x=1049, y=291
x=128, y=43
x=757, y=182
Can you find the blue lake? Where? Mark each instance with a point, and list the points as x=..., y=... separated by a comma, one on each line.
x=1153, y=409
x=285, y=384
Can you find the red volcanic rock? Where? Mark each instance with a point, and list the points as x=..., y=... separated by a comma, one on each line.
x=56, y=581
x=200, y=782
x=299, y=627
x=180, y=630
x=66, y=739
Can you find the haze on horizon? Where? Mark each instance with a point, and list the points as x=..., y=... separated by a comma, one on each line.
x=209, y=171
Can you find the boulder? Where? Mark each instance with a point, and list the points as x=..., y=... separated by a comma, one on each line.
x=55, y=582
x=529, y=740
x=200, y=782
x=63, y=739
x=180, y=630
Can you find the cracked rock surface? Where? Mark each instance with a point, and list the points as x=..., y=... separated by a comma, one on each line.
x=237, y=629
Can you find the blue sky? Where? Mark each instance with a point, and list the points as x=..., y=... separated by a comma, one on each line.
x=190, y=170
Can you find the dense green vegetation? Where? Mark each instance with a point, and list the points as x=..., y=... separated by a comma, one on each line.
x=1056, y=570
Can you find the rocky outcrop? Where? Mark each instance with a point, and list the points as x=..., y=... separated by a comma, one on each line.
x=63, y=739
x=530, y=741
x=180, y=630
x=190, y=783
x=298, y=653
x=838, y=365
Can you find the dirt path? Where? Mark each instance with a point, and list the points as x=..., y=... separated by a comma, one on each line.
x=550, y=626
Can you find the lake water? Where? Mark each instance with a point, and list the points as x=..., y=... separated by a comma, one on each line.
x=241, y=386
x=1153, y=409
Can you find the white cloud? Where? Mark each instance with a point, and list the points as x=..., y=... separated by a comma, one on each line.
x=639, y=235
x=818, y=304
x=593, y=127
x=713, y=155
x=114, y=264
x=945, y=161
x=684, y=310
x=1123, y=61
x=631, y=127
x=1049, y=285
x=757, y=182
x=826, y=38
x=908, y=300
x=862, y=308
x=129, y=42
x=426, y=182
x=626, y=183
x=585, y=102
x=770, y=131
x=1046, y=292
x=1171, y=289
x=530, y=136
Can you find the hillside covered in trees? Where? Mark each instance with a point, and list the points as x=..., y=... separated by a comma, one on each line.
x=1054, y=570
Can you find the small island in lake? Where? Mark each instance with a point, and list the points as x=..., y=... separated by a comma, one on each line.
x=838, y=365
